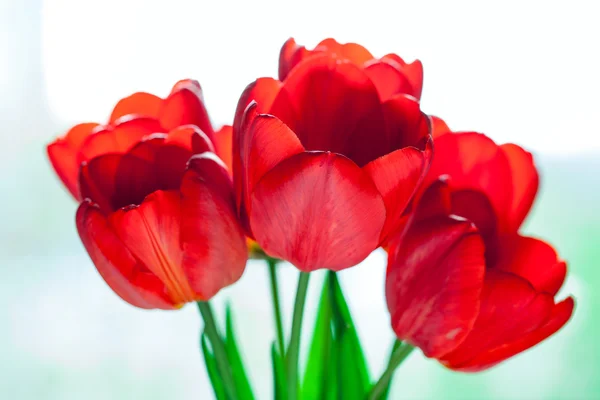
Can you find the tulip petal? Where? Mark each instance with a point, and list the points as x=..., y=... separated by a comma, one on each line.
x=212, y=171
x=151, y=232
x=140, y=104
x=266, y=143
x=414, y=72
x=532, y=259
x=561, y=313
x=438, y=127
x=191, y=138
x=290, y=55
x=64, y=155
x=405, y=123
x=397, y=177
x=118, y=138
x=355, y=53
x=525, y=183
x=324, y=101
x=476, y=207
x=475, y=162
x=510, y=310
x=97, y=180
x=388, y=79
x=434, y=283
x=185, y=106
x=263, y=91
x=121, y=271
x=317, y=210
x=223, y=145
x=212, y=240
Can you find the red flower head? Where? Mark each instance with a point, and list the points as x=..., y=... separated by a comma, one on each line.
x=462, y=284
x=323, y=166
x=158, y=217
x=390, y=74
x=133, y=118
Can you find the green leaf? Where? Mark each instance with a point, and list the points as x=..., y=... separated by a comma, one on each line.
x=316, y=382
x=211, y=367
x=386, y=392
x=243, y=388
x=279, y=382
x=352, y=367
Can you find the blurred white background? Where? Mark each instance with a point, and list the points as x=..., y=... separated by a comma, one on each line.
x=523, y=71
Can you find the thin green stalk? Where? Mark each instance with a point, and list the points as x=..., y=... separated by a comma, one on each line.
x=397, y=357
x=294, y=346
x=276, y=304
x=210, y=328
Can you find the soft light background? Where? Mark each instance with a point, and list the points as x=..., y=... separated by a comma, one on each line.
x=524, y=71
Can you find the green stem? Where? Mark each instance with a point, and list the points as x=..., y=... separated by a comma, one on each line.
x=294, y=346
x=397, y=357
x=276, y=304
x=210, y=328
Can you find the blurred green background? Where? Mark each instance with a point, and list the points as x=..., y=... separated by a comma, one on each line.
x=65, y=336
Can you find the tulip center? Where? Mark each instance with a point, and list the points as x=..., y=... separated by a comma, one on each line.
x=114, y=181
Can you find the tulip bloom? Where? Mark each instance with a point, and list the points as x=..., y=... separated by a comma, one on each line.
x=462, y=283
x=390, y=74
x=133, y=118
x=158, y=214
x=323, y=167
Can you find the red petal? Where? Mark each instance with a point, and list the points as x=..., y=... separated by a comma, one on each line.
x=561, y=313
x=414, y=73
x=388, y=79
x=290, y=55
x=97, y=180
x=266, y=143
x=474, y=162
x=223, y=145
x=355, y=53
x=64, y=156
x=435, y=201
x=397, y=176
x=151, y=232
x=525, y=182
x=406, y=124
x=510, y=309
x=212, y=171
x=533, y=260
x=191, y=138
x=325, y=101
x=395, y=58
x=476, y=207
x=185, y=106
x=438, y=127
x=262, y=92
x=118, y=138
x=140, y=103
x=434, y=282
x=213, y=243
x=121, y=271
x=317, y=210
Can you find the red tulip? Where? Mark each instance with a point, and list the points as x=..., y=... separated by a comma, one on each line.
x=390, y=74
x=323, y=168
x=158, y=215
x=462, y=283
x=133, y=118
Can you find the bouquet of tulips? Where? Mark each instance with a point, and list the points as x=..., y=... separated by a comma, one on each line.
x=320, y=167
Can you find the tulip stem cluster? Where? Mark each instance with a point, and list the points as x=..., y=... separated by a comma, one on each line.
x=399, y=353
x=294, y=347
x=210, y=329
x=272, y=263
